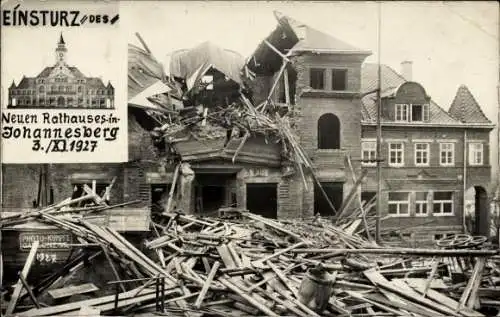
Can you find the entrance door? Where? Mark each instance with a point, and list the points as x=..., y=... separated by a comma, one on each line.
x=60, y=101
x=262, y=199
x=334, y=191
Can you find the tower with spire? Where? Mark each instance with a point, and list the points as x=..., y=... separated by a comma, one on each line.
x=61, y=51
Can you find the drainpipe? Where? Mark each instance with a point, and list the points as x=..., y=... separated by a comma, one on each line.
x=464, y=178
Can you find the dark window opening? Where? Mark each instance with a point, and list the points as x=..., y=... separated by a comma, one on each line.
x=420, y=113
x=292, y=82
x=262, y=199
x=212, y=192
x=317, y=78
x=339, y=79
x=159, y=197
x=334, y=192
x=78, y=191
x=329, y=132
x=369, y=198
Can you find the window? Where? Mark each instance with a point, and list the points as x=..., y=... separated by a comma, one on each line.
x=41, y=89
x=419, y=113
x=399, y=203
x=447, y=154
x=208, y=82
x=53, y=88
x=401, y=112
x=328, y=132
x=420, y=204
x=41, y=101
x=421, y=154
x=317, y=78
x=475, y=153
x=78, y=191
x=339, y=79
x=443, y=203
x=369, y=153
x=61, y=88
x=68, y=88
x=396, y=154
x=80, y=89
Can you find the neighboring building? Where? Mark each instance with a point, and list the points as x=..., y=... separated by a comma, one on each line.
x=61, y=86
x=430, y=156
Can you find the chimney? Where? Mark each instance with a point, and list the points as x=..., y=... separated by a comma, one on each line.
x=407, y=70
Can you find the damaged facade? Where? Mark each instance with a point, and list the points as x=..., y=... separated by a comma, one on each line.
x=279, y=132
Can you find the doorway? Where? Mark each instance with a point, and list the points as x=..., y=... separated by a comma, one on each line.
x=334, y=191
x=481, y=212
x=213, y=191
x=262, y=199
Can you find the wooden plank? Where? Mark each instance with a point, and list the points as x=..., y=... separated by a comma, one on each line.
x=247, y=297
x=172, y=188
x=420, y=287
x=477, y=276
x=283, y=278
x=73, y=290
x=24, y=273
x=416, y=298
x=87, y=311
x=60, y=309
x=204, y=289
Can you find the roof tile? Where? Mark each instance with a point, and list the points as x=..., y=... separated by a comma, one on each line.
x=465, y=107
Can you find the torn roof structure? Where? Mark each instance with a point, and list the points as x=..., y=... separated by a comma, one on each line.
x=292, y=36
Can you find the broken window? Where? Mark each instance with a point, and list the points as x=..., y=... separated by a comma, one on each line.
x=317, y=78
x=339, y=79
x=79, y=191
x=208, y=82
x=329, y=132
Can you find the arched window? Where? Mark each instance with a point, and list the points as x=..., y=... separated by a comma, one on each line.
x=329, y=132
x=42, y=89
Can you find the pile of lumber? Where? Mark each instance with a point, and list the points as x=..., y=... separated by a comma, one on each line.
x=241, y=264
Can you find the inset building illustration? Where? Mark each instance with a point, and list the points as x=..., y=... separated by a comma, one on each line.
x=61, y=86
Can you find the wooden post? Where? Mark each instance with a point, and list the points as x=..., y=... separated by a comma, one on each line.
x=172, y=187
x=24, y=273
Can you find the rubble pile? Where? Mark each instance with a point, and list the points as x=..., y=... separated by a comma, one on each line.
x=242, y=264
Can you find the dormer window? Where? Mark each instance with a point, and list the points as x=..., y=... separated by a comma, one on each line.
x=339, y=79
x=419, y=113
x=412, y=112
x=401, y=112
x=317, y=78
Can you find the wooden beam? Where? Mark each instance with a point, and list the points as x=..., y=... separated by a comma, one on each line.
x=24, y=273
x=204, y=289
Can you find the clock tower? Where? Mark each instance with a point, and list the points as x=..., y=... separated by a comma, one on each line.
x=61, y=51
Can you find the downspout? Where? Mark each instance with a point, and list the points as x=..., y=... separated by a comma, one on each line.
x=464, y=178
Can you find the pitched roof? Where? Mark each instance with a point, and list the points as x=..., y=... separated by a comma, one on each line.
x=390, y=80
x=465, y=107
x=26, y=82
x=313, y=40
x=45, y=72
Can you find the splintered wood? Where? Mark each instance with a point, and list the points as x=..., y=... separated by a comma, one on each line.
x=255, y=266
